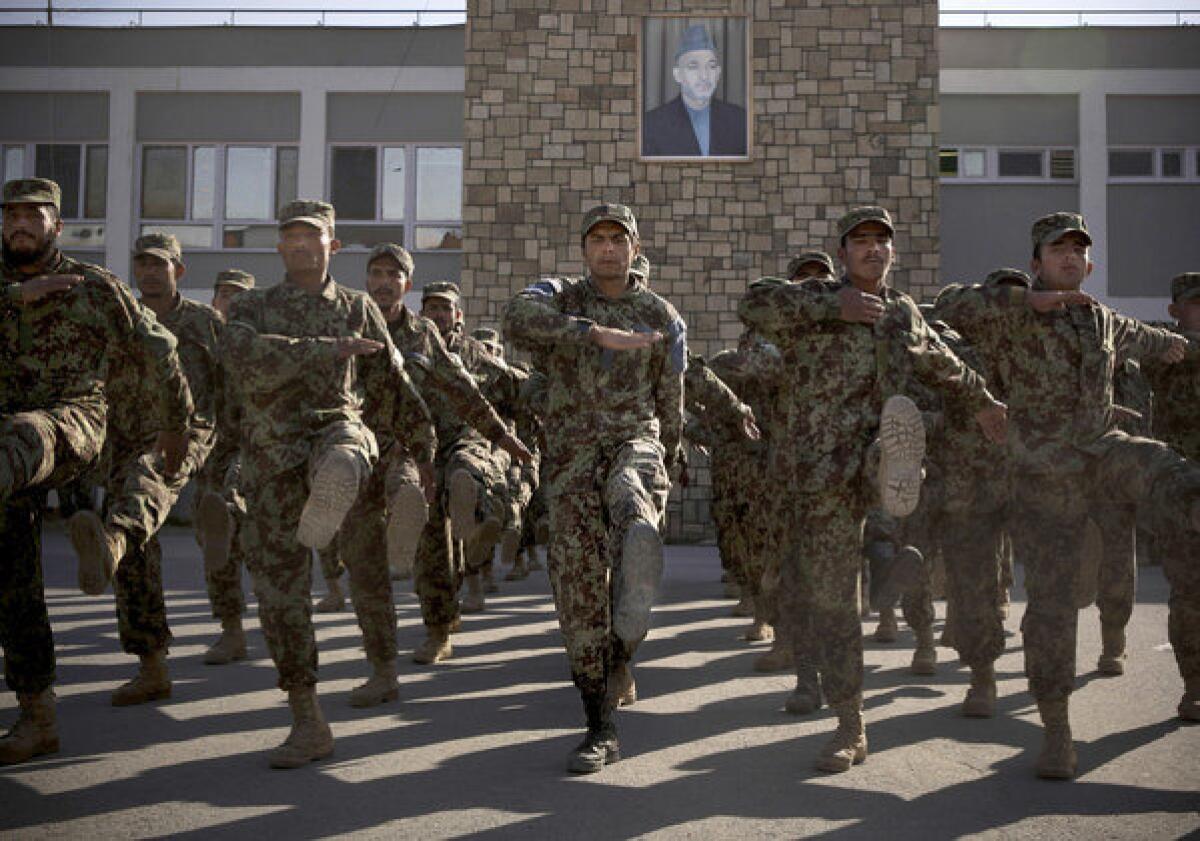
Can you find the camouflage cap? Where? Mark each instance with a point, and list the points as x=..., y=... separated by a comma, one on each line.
x=641, y=267
x=234, y=277
x=159, y=244
x=1185, y=287
x=618, y=213
x=860, y=216
x=441, y=289
x=486, y=334
x=1008, y=275
x=1054, y=226
x=805, y=257
x=396, y=252
x=32, y=191
x=319, y=214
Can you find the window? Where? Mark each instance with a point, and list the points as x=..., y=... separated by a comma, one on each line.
x=81, y=171
x=409, y=194
x=217, y=195
x=997, y=165
x=1131, y=163
x=1152, y=164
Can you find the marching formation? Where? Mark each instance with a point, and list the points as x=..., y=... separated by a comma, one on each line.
x=857, y=441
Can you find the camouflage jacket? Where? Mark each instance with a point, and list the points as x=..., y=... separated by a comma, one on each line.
x=69, y=346
x=197, y=328
x=595, y=394
x=451, y=392
x=841, y=373
x=716, y=412
x=497, y=382
x=281, y=347
x=1177, y=399
x=1057, y=369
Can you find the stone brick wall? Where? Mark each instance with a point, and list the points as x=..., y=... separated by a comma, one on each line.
x=845, y=113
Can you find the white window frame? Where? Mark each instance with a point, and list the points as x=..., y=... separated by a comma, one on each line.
x=992, y=165
x=218, y=222
x=410, y=223
x=1189, y=175
x=29, y=167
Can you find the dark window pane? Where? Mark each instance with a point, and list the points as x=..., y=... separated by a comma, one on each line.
x=164, y=182
x=190, y=236
x=61, y=163
x=353, y=182
x=250, y=236
x=1020, y=164
x=1172, y=164
x=287, y=174
x=368, y=236
x=439, y=239
x=948, y=162
x=95, y=200
x=1130, y=163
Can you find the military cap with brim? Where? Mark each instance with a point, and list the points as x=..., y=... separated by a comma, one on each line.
x=158, y=244
x=805, y=257
x=486, y=334
x=319, y=214
x=396, y=252
x=1185, y=287
x=618, y=213
x=441, y=289
x=1054, y=226
x=32, y=191
x=862, y=215
x=1008, y=275
x=234, y=277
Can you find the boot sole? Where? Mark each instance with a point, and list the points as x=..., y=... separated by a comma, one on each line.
x=837, y=765
x=464, y=498
x=214, y=522
x=407, y=515
x=580, y=766
x=222, y=660
x=375, y=700
x=289, y=763
x=1111, y=666
x=86, y=533
x=156, y=695
x=639, y=574
x=902, y=454
x=331, y=496
x=42, y=749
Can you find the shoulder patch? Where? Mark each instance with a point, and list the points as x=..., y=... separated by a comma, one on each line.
x=677, y=344
x=547, y=287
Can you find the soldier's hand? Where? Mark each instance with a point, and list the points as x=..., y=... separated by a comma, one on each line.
x=614, y=339
x=512, y=445
x=39, y=287
x=859, y=307
x=1048, y=300
x=993, y=420
x=751, y=430
x=348, y=346
x=172, y=446
x=428, y=481
x=1176, y=352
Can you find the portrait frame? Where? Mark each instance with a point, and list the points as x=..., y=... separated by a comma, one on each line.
x=664, y=127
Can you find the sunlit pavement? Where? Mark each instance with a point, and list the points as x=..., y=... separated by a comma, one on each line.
x=476, y=746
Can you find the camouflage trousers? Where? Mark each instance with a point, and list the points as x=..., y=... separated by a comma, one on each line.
x=521, y=480
x=38, y=450
x=820, y=586
x=971, y=528
x=1179, y=554
x=740, y=514
x=281, y=567
x=595, y=492
x=1053, y=511
x=438, y=566
x=920, y=530
x=1117, y=585
x=138, y=499
x=221, y=475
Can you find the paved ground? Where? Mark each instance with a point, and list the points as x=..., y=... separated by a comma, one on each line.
x=476, y=746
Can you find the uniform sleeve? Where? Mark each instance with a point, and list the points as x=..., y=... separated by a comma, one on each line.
x=384, y=376
x=705, y=393
x=775, y=308
x=1135, y=340
x=668, y=390
x=268, y=361
x=534, y=319
x=457, y=385
x=936, y=366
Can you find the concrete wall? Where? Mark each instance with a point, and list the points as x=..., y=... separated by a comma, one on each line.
x=381, y=117
x=53, y=117
x=219, y=117
x=1108, y=47
x=1154, y=120
x=1158, y=224
x=1009, y=120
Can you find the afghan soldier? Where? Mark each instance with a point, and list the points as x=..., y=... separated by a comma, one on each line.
x=417, y=526
x=139, y=495
x=230, y=284
x=1177, y=421
x=808, y=264
x=1058, y=348
x=854, y=343
x=324, y=394
x=64, y=327
x=614, y=354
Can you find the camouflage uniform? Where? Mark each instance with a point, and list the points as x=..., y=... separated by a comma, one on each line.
x=300, y=402
x=55, y=357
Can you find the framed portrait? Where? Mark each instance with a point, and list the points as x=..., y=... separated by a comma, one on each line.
x=694, y=88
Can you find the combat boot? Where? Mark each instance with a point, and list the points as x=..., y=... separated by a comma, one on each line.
x=1112, y=657
x=535, y=562
x=35, y=732
x=436, y=646
x=849, y=743
x=331, y=495
x=380, y=688
x=99, y=549
x=461, y=507
x=744, y=606
x=893, y=574
x=310, y=737
x=1058, y=760
x=901, y=456
x=214, y=524
x=778, y=659
x=635, y=581
x=924, y=660
x=981, y=694
x=489, y=578
x=407, y=514
x=151, y=683
x=511, y=556
x=1189, y=704
x=887, y=629
x=759, y=631
x=622, y=688
x=230, y=646
x=334, y=600
x=600, y=746
x=807, y=697
x=473, y=601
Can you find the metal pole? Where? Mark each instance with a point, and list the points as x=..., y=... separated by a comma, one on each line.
x=49, y=12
